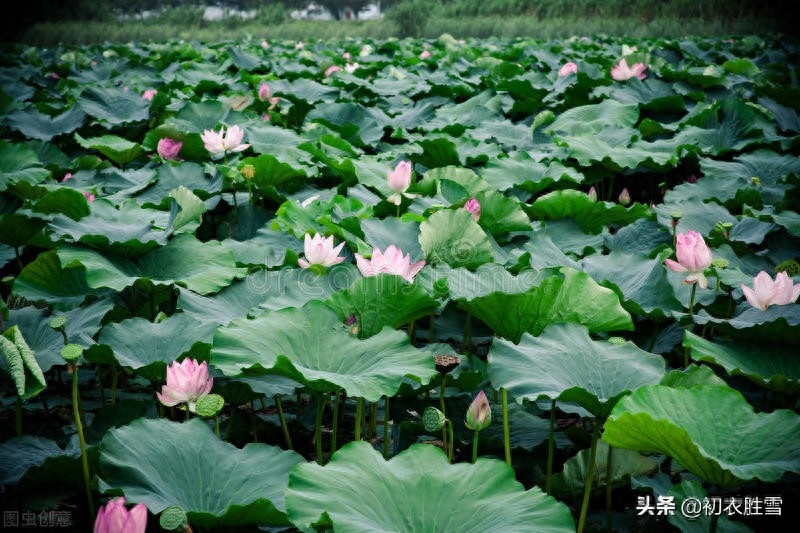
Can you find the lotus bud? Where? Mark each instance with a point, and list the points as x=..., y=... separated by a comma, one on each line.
x=479, y=413
x=592, y=193
x=474, y=208
x=624, y=197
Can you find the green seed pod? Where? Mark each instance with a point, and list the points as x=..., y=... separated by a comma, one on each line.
x=173, y=519
x=433, y=419
x=209, y=405
x=58, y=322
x=72, y=352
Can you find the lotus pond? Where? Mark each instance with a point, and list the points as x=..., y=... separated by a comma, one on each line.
x=506, y=286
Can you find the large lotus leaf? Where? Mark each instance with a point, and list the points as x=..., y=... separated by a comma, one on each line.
x=544, y=253
x=116, y=148
x=417, y=491
x=272, y=290
x=776, y=367
x=383, y=300
x=82, y=324
x=194, y=117
x=571, y=296
x=44, y=279
x=312, y=346
x=355, y=123
x=204, y=267
x=138, y=343
x=271, y=172
x=17, y=230
x=19, y=454
x=615, y=149
x=18, y=162
x=564, y=363
x=392, y=231
x=521, y=170
x=463, y=284
x=467, y=179
x=501, y=215
x=268, y=247
x=639, y=281
x=589, y=214
x=163, y=464
x=113, y=105
x=686, y=423
x=779, y=323
x=593, y=118
x=64, y=200
x=704, y=523
x=452, y=237
x=128, y=229
x=36, y=125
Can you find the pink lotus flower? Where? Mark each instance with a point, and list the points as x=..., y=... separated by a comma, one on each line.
x=221, y=143
x=89, y=196
x=624, y=197
x=115, y=518
x=187, y=381
x=331, y=69
x=67, y=176
x=320, y=251
x=351, y=67
x=263, y=92
x=425, y=54
x=169, y=148
x=567, y=69
x=391, y=262
x=149, y=94
x=593, y=193
x=621, y=71
x=479, y=413
x=693, y=257
x=766, y=292
x=347, y=56
x=399, y=181
x=264, y=44
x=474, y=208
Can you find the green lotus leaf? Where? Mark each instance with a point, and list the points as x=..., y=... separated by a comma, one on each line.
x=163, y=464
x=113, y=105
x=570, y=296
x=270, y=172
x=592, y=216
x=521, y=170
x=383, y=300
x=312, y=346
x=149, y=347
x=20, y=454
x=203, y=267
x=565, y=364
x=44, y=279
x=18, y=163
x=467, y=179
x=594, y=118
x=452, y=237
x=357, y=124
x=685, y=423
x=691, y=376
x=64, y=200
x=501, y=215
x=17, y=230
x=392, y=231
x=418, y=490
x=779, y=323
x=776, y=367
x=114, y=147
x=36, y=125
x=702, y=524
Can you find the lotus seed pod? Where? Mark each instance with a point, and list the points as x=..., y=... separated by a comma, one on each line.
x=58, y=322
x=209, y=405
x=173, y=519
x=433, y=419
x=72, y=352
x=791, y=267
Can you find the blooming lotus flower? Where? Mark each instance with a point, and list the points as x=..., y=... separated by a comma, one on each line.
x=693, y=257
x=320, y=251
x=187, y=381
x=149, y=94
x=474, y=208
x=766, y=292
x=621, y=71
x=479, y=413
x=168, y=148
x=220, y=143
x=263, y=91
x=89, y=196
x=115, y=518
x=568, y=68
x=425, y=54
x=399, y=181
x=390, y=262
x=331, y=69
x=624, y=196
x=351, y=67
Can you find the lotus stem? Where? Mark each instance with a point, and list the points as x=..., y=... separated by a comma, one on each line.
x=373, y=420
x=411, y=333
x=386, y=428
x=609, y=473
x=551, y=441
x=467, y=340
x=430, y=330
x=318, y=428
x=19, y=417
x=590, y=467
x=691, y=322
x=442, y=388
x=81, y=439
x=216, y=425
x=337, y=399
x=114, y=376
x=475, y=446
x=100, y=384
x=359, y=418
x=286, y=437
x=506, y=429
x=448, y=443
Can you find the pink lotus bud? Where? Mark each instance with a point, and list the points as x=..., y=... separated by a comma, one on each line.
x=67, y=176
x=264, y=44
x=592, y=193
x=115, y=518
x=399, y=180
x=567, y=69
x=89, y=196
x=168, y=148
x=425, y=54
x=187, y=381
x=473, y=207
x=766, y=292
x=694, y=257
x=149, y=94
x=391, y=262
x=346, y=56
x=331, y=69
x=624, y=196
x=263, y=92
x=479, y=413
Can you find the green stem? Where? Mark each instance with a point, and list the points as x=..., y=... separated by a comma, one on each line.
x=430, y=330
x=506, y=429
x=550, y=448
x=373, y=420
x=475, y=446
x=100, y=384
x=318, y=428
x=229, y=427
x=411, y=333
x=359, y=417
x=442, y=388
x=386, y=428
x=19, y=416
x=609, y=473
x=286, y=437
x=448, y=443
x=590, y=467
x=467, y=340
x=19, y=261
x=81, y=439
x=691, y=322
x=114, y=374
x=337, y=399
x=216, y=425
